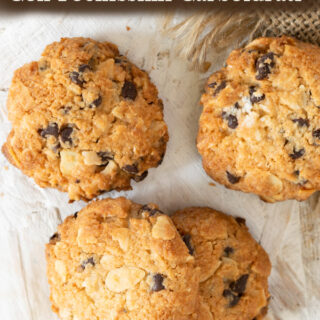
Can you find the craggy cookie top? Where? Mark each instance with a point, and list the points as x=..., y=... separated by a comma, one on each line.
x=234, y=269
x=84, y=119
x=260, y=126
x=119, y=260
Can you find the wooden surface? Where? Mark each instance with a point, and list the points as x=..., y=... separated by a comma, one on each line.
x=289, y=231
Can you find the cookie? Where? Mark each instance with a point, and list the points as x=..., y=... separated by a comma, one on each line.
x=84, y=119
x=234, y=268
x=116, y=259
x=259, y=131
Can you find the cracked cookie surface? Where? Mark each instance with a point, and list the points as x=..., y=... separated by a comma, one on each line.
x=116, y=259
x=259, y=131
x=84, y=119
x=234, y=268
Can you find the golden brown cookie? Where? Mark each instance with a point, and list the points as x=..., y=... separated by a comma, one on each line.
x=116, y=259
x=260, y=126
x=84, y=119
x=234, y=268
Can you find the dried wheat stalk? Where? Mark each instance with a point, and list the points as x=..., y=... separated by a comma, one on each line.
x=217, y=30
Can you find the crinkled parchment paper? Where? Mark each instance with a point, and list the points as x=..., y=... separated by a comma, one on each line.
x=289, y=231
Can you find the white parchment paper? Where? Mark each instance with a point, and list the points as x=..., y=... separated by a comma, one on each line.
x=29, y=215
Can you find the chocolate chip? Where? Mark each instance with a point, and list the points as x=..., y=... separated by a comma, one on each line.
x=133, y=169
x=65, y=110
x=55, y=237
x=316, y=133
x=236, y=105
x=255, y=98
x=129, y=90
x=141, y=177
x=187, y=240
x=297, y=172
x=96, y=103
x=117, y=60
x=151, y=211
x=74, y=76
x=75, y=215
x=86, y=262
x=65, y=134
x=105, y=156
x=233, y=299
x=241, y=221
x=301, y=122
x=239, y=286
x=83, y=67
x=43, y=66
x=161, y=159
x=264, y=65
x=232, y=178
x=297, y=154
x=212, y=85
x=228, y=251
x=220, y=87
x=157, y=280
x=56, y=147
x=51, y=130
x=78, y=181
x=232, y=121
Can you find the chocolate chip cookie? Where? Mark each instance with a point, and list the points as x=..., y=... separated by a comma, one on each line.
x=84, y=119
x=234, y=268
x=260, y=126
x=116, y=259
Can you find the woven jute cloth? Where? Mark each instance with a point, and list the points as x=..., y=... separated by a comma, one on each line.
x=303, y=24
x=214, y=31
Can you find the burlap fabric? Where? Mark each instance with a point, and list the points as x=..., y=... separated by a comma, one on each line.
x=304, y=24
x=199, y=34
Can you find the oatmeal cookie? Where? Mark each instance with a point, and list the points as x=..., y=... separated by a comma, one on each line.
x=116, y=259
x=234, y=268
x=259, y=130
x=84, y=119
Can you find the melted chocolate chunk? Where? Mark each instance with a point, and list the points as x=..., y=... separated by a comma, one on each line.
x=51, y=130
x=74, y=76
x=301, y=122
x=232, y=178
x=75, y=215
x=254, y=98
x=129, y=90
x=105, y=156
x=84, y=67
x=264, y=65
x=233, y=299
x=316, y=133
x=228, y=251
x=220, y=87
x=232, y=121
x=141, y=177
x=212, y=85
x=65, y=134
x=152, y=211
x=239, y=286
x=55, y=237
x=157, y=280
x=240, y=220
x=187, y=240
x=297, y=154
x=96, y=103
x=161, y=159
x=133, y=169
x=86, y=262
